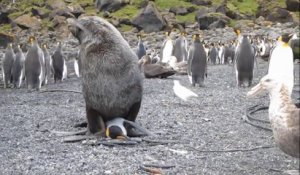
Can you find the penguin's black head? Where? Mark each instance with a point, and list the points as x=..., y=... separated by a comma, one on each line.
x=196, y=37
x=45, y=46
x=139, y=36
x=212, y=44
x=183, y=33
x=237, y=31
x=31, y=39
x=167, y=33
x=115, y=132
x=286, y=37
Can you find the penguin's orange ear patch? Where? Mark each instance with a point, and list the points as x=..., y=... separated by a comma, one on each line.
x=237, y=31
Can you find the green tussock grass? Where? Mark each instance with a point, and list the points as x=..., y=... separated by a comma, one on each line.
x=5, y=28
x=129, y=11
x=167, y=4
x=186, y=18
x=125, y=28
x=46, y=23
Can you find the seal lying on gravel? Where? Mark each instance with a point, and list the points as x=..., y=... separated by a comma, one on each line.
x=112, y=82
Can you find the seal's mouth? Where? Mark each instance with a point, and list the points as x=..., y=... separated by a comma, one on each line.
x=255, y=90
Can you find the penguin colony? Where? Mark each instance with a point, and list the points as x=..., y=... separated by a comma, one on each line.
x=35, y=66
x=38, y=66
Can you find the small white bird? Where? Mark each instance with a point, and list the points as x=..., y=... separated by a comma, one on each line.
x=182, y=92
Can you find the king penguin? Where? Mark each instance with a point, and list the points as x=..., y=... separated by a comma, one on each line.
x=213, y=54
x=197, y=62
x=77, y=64
x=167, y=48
x=34, y=65
x=281, y=66
x=59, y=64
x=141, y=50
x=47, y=63
x=244, y=60
x=7, y=65
x=180, y=48
x=18, y=68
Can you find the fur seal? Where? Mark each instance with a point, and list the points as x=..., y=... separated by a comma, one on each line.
x=157, y=70
x=7, y=65
x=18, y=68
x=197, y=62
x=111, y=79
x=59, y=63
x=244, y=60
x=34, y=65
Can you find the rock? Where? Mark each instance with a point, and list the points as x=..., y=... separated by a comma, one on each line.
x=279, y=15
x=61, y=12
x=38, y=12
x=233, y=14
x=217, y=24
x=76, y=10
x=26, y=21
x=201, y=2
x=58, y=20
x=61, y=26
x=292, y=5
x=149, y=19
x=55, y=4
x=202, y=11
x=179, y=10
x=125, y=21
x=4, y=19
x=5, y=38
x=205, y=20
x=106, y=14
x=110, y=5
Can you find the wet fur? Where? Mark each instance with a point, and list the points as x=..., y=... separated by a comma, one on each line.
x=112, y=82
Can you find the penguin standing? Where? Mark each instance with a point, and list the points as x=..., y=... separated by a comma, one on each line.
x=18, y=68
x=197, y=62
x=34, y=65
x=281, y=66
x=221, y=53
x=244, y=60
x=7, y=64
x=213, y=54
x=47, y=63
x=59, y=64
x=141, y=50
x=180, y=48
x=167, y=48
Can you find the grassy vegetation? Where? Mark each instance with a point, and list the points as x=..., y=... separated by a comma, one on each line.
x=125, y=28
x=186, y=18
x=129, y=11
x=5, y=28
x=46, y=24
x=165, y=4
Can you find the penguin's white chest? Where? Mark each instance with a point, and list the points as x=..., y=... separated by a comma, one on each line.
x=281, y=66
x=167, y=51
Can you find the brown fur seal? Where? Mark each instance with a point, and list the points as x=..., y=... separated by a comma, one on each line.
x=112, y=82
